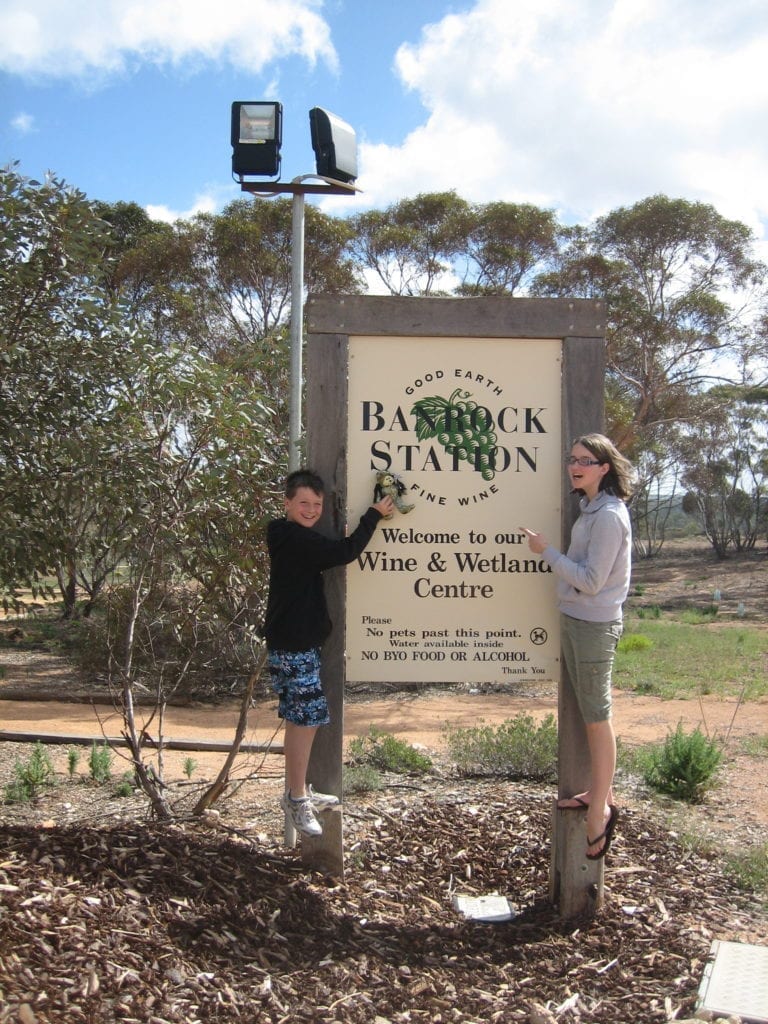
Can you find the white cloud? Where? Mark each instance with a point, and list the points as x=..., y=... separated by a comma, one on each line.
x=86, y=37
x=202, y=204
x=23, y=123
x=582, y=107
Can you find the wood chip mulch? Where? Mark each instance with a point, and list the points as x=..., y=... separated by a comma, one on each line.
x=134, y=922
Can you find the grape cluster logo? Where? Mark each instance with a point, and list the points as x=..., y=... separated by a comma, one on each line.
x=462, y=426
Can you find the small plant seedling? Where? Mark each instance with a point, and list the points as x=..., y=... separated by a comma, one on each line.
x=124, y=787
x=100, y=763
x=73, y=760
x=31, y=776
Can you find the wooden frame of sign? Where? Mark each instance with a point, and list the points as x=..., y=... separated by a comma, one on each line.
x=576, y=885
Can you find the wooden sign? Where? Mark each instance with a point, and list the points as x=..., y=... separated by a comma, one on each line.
x=466, y=434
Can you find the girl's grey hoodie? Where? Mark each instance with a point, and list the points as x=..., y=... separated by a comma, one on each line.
x=593, y=577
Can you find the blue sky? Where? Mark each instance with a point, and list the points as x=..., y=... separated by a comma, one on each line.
x=576, y=105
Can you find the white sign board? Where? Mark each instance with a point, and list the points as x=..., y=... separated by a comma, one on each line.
x=471, y=427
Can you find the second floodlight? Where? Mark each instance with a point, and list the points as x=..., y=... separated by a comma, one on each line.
x=335, y=145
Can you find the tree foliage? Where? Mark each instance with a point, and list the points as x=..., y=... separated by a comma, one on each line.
x=144, y=388
x=106, y=314
x=62, y=349
x=412, y=245
x=666, y=268
x=726, y=470
x=105, y=393
x=437, y=243
x=509, y=244
x=678, y=280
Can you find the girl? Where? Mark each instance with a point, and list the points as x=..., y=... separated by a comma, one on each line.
x=593, y=582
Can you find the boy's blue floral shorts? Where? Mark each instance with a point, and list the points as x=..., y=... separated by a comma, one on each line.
x=295, y=678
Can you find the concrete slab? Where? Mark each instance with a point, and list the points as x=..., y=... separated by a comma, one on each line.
x=735, y=981
x=492, y=908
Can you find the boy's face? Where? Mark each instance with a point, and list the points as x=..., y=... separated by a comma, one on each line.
x=305, y=507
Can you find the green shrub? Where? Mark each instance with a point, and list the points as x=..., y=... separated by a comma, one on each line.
x=100, y=763
x=388, y=754
x=73, y=760
x=634, y=642
x=124, y=787
x=190, y=764
x=31, y=776
x=361, y=778
x=684, y=766
x=516, y=749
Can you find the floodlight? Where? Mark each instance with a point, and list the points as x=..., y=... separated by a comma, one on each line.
x=335, y=146
x=257, y=134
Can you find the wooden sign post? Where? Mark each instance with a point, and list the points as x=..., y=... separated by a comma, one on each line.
x=468, y=405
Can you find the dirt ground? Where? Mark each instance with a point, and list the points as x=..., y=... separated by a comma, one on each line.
x=109, y=916
x=418, y=719
x=685, y=576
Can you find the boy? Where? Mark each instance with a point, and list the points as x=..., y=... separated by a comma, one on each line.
x=297, y=624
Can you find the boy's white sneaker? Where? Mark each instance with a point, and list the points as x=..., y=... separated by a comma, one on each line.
x=322, y=800
x=301, y=814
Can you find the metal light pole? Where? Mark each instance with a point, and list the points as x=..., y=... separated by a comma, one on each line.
x=299, y=187
x=297, y=332
x=256, y=135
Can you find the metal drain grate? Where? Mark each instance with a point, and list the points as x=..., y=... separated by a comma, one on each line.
x=736, y=981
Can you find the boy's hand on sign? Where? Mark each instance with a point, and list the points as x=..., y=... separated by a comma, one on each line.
x=536, y=541
x=386, y=506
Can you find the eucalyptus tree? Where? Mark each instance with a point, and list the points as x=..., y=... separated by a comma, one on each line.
x=677, y=279
x=221, y=284
x=86, y=315
x=62, y=347
x=243, y=258
x=507, y=245
x=122, y=443
x=725, y=469
x=412, y=245
x=657, y=498
x=672, y=273
x=128, y=224
x=181, y=617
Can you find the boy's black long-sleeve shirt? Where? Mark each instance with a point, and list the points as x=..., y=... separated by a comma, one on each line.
x=297, y=614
